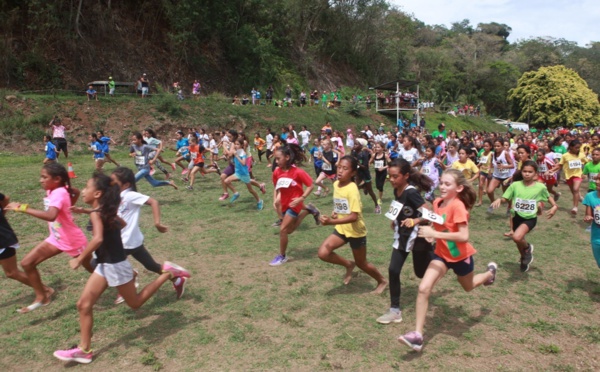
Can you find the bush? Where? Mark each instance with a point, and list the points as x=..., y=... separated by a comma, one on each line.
x=168, y=104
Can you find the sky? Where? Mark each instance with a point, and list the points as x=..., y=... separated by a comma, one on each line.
x=573, y=20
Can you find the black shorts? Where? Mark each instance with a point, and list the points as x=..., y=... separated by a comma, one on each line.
x=518, y=221
x=380, y=178
x=355, y=243
x=60, y=143
x=460, y=268
x=7, y=253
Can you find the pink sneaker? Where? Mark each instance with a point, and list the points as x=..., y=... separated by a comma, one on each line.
x=152, y=171
x=185, y=171
x=74, y=355
x=180, y=287
x=175, y=270
x=263, y=189
x=173, y=166
x=224, y=196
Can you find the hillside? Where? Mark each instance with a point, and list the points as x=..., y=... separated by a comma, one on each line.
x=25, y=118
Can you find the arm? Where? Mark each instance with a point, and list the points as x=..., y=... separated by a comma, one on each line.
x=94, y=243
x=302, y=197
x=460, y=236
x=589, y=216
x=156, y=214
x=333, y=220
x=49, y=215
x=554, y=208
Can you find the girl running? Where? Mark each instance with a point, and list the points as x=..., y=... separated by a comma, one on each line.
x=50, y=150
x=527, y=197
x=380, y=162
x=430, y=167
x=106, y=141
x=406, y=217
x=451, y=155
x=502, y=164
x=113, y=268
x=259, y=145
x=197, y=159
x=545, y=163
x=484, y=163
x=573, y=171
x=289, y=195
x=157, y=145
x=466, y=165
x=329, y=156
x=183, y=153
x=349, y=226
x=592, y=168
x=452, y=248
x=65, y=235
x=97, y=148
x=592, y=214
x=8, y=246
x=241, y=173
x=363, y=175
x=141, y=153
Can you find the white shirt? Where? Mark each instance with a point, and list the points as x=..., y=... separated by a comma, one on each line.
x=129, y=211
x=269, y=140
x=369, y=133
x=305, y=135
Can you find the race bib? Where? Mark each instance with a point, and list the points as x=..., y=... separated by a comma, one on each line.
x=525, y=205
x=94, y=148
x=503, y=171
x=408, y=157
x=542, y=168
x=574, y=164
x=378, y=164
x=326, y=166
x=341, y=206
x=46, y=204
x=140, y=160
x=430, y=216
x=592, y=177
x=425, y=170
x=193, y=155
x=597, y=216
x=394, y=210
x=483, y=160
x=283, y=183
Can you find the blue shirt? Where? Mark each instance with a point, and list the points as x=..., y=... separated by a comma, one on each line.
x=50, y=151
x=184, y=142
x=241, y=169
x=104, y=141
x=97, y=146
x=592, y=200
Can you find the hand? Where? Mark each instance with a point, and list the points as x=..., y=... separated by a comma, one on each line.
x=74, y=263
x=588, y=218
x=12, y=206
x=161, y=228
x=496, y=203
x=553, y=210
x=296, y=201
x=151, y=162
x=325, y=220
x=334, y=215
x=407, y=222
x=78, y=210
x=393, y=225
x=426, y=232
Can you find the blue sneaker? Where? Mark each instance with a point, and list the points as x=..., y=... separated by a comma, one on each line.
x=260, y=205
x=278, y=260
x=234, y=197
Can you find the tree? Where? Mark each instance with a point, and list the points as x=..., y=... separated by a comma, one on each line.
x=554, y=96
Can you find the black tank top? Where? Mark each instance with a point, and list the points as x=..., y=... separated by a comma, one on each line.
x=111, y=250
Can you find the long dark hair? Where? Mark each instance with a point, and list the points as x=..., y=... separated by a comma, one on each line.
x=110, y=199
x=125, y=175
x=415, y=178
x=58, y=170
x=139, y=136
x=295, y=153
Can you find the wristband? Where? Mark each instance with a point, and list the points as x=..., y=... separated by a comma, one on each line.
x=412, y=222
x=22, y=207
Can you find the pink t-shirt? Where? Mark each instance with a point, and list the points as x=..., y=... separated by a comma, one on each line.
x=58, y=131
x=64, y=233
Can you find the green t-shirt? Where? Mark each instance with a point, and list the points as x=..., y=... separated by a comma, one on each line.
x=437, y=133
x=525, y=198
x=591, y=170
x=111, y=84
x=324, y=97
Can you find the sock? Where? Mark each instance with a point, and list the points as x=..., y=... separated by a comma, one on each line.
x=395, y=310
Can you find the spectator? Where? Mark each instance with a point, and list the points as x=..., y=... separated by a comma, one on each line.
x=111, y=86
x=145, y=84
x=91, y=94
x=196, y=89
x=288, y=94
x=269, y=94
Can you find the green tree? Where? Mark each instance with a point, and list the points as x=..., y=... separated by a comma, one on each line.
x=554, y=96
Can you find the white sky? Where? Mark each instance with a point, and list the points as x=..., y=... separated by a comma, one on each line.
x=573, y=20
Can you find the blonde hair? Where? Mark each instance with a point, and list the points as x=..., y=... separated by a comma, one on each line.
x=468, y=195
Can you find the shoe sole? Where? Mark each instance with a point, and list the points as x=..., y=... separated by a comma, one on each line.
x=389, y=321
x=181, y=271
x=409, y=344
x=78, y=360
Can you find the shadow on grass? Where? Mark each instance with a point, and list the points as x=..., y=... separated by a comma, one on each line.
x=514, y=270
x=591, y=287
x=57, y=285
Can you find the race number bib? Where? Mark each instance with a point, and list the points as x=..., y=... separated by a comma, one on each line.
x=408, y=157
x=483, y=160
x=341, y=206
x=425, y=170
x=503, y=171
x=326, y=166
x=283, y=183
x=597, y=215
x=430, y=216
x=542, y=168
x=378, y=164
x=140, y=160
x=193, y=155
x=575, y=164
x=592, y=177
x=525, y=205
x=394, y=210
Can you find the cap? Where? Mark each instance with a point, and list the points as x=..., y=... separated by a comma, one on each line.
x=362, y=141
x=348, y=130
x=110, y=78
x=144, y=74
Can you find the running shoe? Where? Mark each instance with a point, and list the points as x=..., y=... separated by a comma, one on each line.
x=277, y=223
x=119, y=299
x=260, y=205
x=224, y=196
x=588, y=229
x=185, y=179
x=175, y=270
x=390, y=317
x=278, y=260
x=173, y=166
x=492, y=267
x=185, y=171
x=574, y=211
x=263, y=189
x=191, y=188
x=527, y=259
x=234, y=197
x=414, y=340
x=378, y=209
x=179, y=285
x=317, y=193
x=314, y=211
x=490, y=210
x=74, y=355
x=378, y=201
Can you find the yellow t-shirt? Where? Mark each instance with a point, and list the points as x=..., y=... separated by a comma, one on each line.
x=345, y=201
x=572, y=165
x=468, y=169
x=485, y=162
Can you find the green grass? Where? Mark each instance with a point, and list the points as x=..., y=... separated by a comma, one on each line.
x=240, y=314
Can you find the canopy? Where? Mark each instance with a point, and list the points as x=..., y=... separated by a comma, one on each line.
x=393, y=85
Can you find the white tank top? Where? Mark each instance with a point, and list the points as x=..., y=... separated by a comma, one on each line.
x=500, y=160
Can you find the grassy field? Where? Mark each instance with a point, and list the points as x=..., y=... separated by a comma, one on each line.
x=240, y=314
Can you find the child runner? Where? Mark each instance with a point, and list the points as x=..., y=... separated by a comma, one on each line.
x=140, y=151
x=545, y=163
x=65, y=235
x=406, y=217
x=329, y=156
x=156, y=144
x=259, y=145
x=502, y=164
x=485, y=165
x=182, y=148
x=49, y=149
x=451, y=155
x=8, y=247
x=526, y=197
x=466, y=165
x=241, y=173
x=592, y=169
x=380, y=162
x=592, y=214
x=197, y=158
x=113, y=269
x=97, y=148
x=105, y=142
x=452, y=248
x=430, y=168
x=289, y=195
x=349, y=226
x=363, y=175
x=573, y=171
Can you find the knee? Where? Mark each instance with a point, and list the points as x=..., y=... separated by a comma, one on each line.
x=11, y=273
x=84, y=306
x=324, y=251
x=27, y=264
x=424, y=290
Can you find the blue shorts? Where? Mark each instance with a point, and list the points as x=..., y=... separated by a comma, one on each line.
x=291, y=212
x=460, y=268
x=244, y=178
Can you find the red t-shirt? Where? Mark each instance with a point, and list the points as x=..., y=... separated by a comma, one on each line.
x=290, y=185
x=454, y=214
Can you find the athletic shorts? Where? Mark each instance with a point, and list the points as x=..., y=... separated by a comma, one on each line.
x=244, y=178
x=199, y=165
x=8, y=252
x=380, y=178
x=460, y=268
x=73, y=252
x=355, y=243
x=229, y=170
x=291, y=212
x=500, y=179
x=331, y=176
x=116, y=274
x=518, y=221
x=484, y=174
x=571, y=180
x=547, y=182
x=60, y=143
